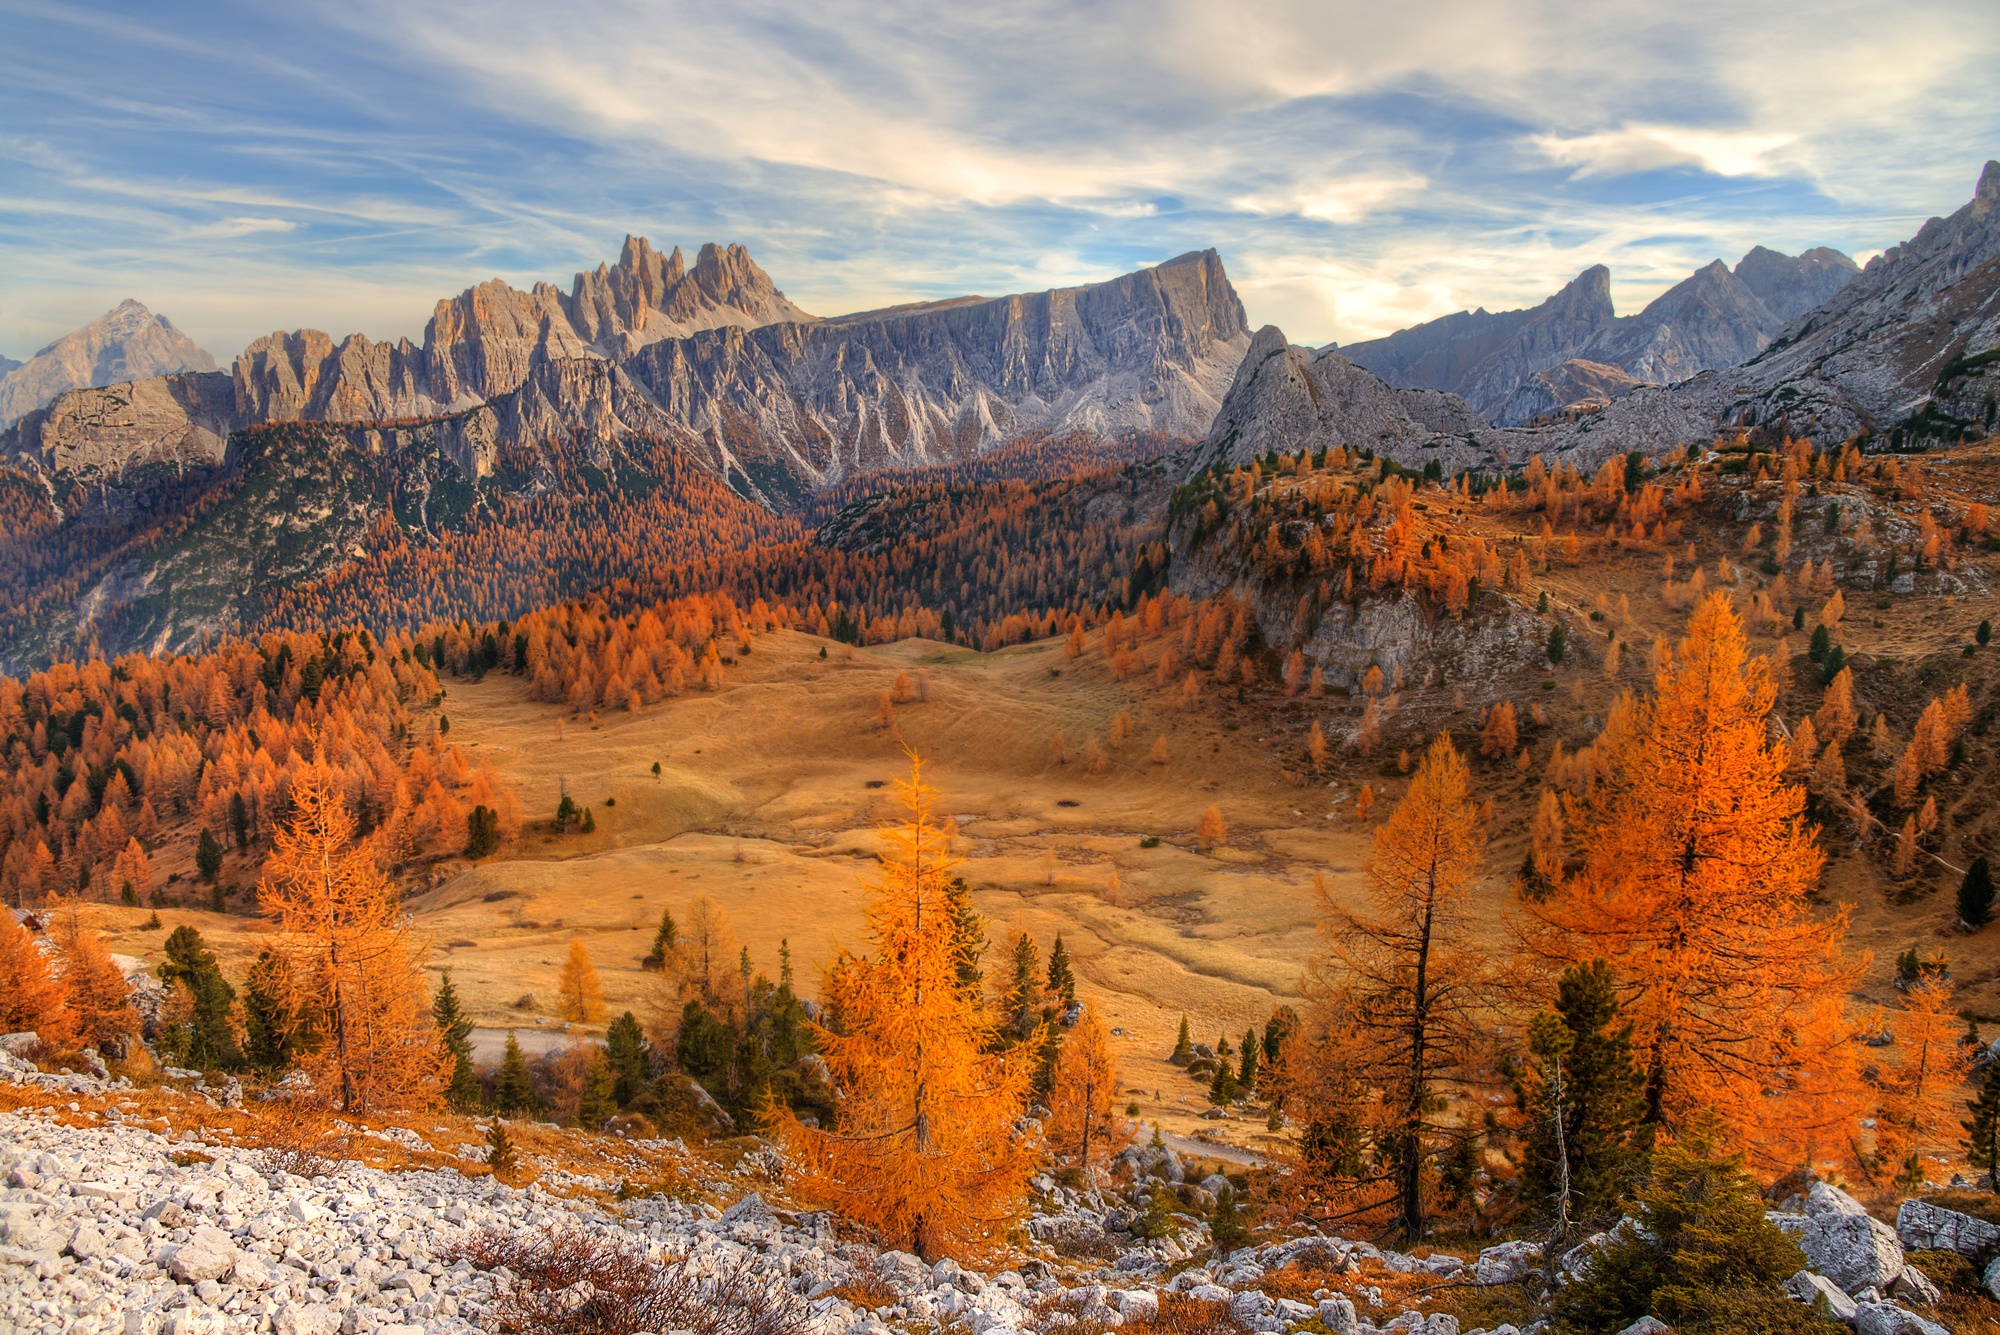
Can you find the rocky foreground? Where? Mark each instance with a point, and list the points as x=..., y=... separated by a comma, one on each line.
x=118, y=1228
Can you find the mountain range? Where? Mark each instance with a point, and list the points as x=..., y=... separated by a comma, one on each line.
x=165, y=508
x=1513, y=367
x=713, y=358
x=1906, y=350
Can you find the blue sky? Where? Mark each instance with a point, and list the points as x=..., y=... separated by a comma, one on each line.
x=1360, y=166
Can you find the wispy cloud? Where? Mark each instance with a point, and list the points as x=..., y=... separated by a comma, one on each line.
x=1360, y=166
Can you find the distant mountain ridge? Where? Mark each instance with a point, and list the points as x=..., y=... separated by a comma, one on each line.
x=1714, y=318
x=1906, y=351
x=713, y=357
x=128, y=342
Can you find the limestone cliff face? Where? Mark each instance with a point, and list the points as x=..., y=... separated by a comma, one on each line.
x=128, y=342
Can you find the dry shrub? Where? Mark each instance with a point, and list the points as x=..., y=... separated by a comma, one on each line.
x=568, y=1281
x=1182, y=1315
x=867, y=1291
x=297, y=1136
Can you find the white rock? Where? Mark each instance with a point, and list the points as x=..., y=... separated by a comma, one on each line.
x=207, y=1254
x=1914, y=1286
x=1507, y=1262
x=306, y=1319
x=1926, y=1227
x=1337, y=1315
x=1135, y=1304
x=1855, y=1251
x=1648, y=1325
x=1808, y=1287
x=1888, y=1319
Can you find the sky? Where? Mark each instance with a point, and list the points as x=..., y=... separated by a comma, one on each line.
x=247, y=167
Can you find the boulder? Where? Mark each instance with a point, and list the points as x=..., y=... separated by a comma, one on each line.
x=1648, y=1325
x=1337, y=1315
x=1925, y=1227
x=1507, y=1262
x=20, y=1044
x=1134, y=1304
x=307, y=1319
x=1914, y=1286
x=1847, y=1244
x=1992, y=1277
x=1889, y=1319
x=207, y=1254
x=1808, y=1288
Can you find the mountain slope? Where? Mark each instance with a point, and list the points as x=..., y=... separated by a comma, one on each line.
x=1909, y=350
x=128, y=342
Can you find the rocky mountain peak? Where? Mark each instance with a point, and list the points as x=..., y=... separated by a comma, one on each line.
x=127, y=342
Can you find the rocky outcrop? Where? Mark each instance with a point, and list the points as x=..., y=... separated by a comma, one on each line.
x=127, y=343
x=1287, y=398
x=1567, y=390
x=1716, y=317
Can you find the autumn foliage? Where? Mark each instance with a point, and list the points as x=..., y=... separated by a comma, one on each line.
x=923, y=1148
x=352, y=972
x=1696, y=869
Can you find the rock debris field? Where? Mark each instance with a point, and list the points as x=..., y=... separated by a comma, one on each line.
x=118, y=1228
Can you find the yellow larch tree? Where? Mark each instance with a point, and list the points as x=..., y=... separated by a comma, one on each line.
x=923, y=1147
x=353, y=963
x=1696, y=872
x=1922, y=1089
x=579, y=995
x=1083, y=1124
x=94, y=988
x=31, y=998
x=1210, y=831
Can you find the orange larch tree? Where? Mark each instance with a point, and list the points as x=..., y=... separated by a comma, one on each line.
x=31, y=999
x=1082, y=1119
x=1395, y=996
x=923, y=1148
x=1922, y=1090
x=579, y=994
x=353, y=975
x=1695, y=882
x=94, y=988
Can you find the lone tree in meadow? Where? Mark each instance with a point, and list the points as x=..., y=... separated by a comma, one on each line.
x=579, y=994
x=922, y=1146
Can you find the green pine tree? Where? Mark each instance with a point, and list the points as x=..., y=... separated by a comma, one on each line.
x=1602, y=1097
x=500, y=1151
x=968, y=935
x=664, y=941
x=597, y=1103
x=704, y=1049
x=1975, y=894
x=514, y=1091
x=1222, y=1086
x=208, y=857
x=625, y=1047
x=462, y=1090
x=209, y=1043
x=272, y=1036
x=1246, y=1075
x=1184, y=1045
x=1062, y=979
x=1705, y=1261
x=1226, y=1227
x=1024, y=993
x=1982, y=1133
